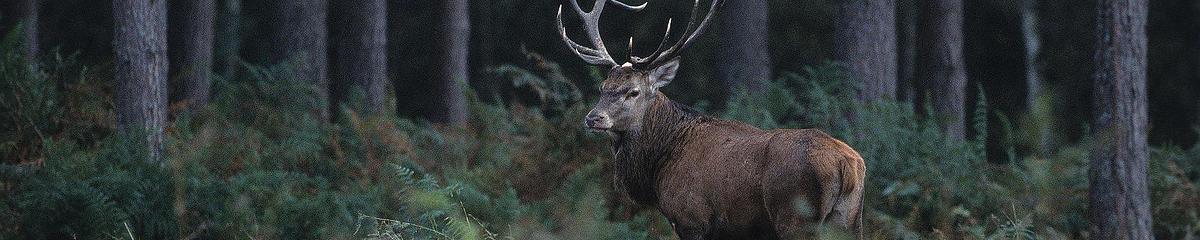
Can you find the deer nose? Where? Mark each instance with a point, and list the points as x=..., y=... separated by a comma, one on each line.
x=592, y=119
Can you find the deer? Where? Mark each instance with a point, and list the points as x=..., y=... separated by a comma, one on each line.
x=712, y=178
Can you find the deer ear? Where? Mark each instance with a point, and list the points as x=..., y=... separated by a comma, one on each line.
x=662, y=75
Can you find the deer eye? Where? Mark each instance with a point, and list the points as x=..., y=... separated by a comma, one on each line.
x=633, y=94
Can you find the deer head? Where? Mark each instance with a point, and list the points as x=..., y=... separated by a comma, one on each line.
x=631, y=87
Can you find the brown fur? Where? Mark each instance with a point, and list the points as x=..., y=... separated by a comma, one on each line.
x=712, y=178
x=720, y=179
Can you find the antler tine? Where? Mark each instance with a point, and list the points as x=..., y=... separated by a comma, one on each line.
x=630, y=49
x=690, y=34
x=597, y=54
x=629, y=7
x=658, y=50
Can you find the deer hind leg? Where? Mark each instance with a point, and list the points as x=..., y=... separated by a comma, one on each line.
x=847, y=212
x=800, y=205
x=847, y=207
x=793, y=203
x=795, y=219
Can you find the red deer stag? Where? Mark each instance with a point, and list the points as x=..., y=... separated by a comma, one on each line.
x=713, y=178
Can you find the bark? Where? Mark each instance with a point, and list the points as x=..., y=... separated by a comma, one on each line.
x=430, y=75
x=1033, y=79
x=1033, y=45
x=907, y=59
x=940, y=64
x=865, y=41
x=191, y=50
x=298, y=34
x=359, y=58
x=743, y=61
x=1118, y=200
x=23, y=13
x=140, y=43
x=450, y=106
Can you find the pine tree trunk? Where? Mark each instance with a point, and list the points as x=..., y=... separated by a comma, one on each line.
x=1033, y=73
x=191, y=50
x=450, y=105
x=228, y=41
x=298, y=33
x=1033, y=78
x=22, y=13
x=359, y=58
x=907, y=59
x=940, y=64
x=865, y=41
x=140, y=43
x=1033, y=44
x=1119, y=203
x=743, y=61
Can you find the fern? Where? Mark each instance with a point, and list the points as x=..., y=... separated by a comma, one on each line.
x=256, y=163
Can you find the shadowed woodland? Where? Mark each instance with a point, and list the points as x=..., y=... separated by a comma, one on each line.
x=459, y=119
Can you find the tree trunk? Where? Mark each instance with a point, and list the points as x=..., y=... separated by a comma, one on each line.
x=191, y=50
x=1033, y=44
x=1118, y=200
x=940, y=63
x=298, y=34
x=359, y=51
x=229, y=39
x=22, y=13
x=743, y=61
x=1033, y=78
x=452, y=70
x=140, y=43
x=865, y=41
x=907, y=59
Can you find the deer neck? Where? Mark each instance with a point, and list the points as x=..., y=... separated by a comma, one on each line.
x=641, y=153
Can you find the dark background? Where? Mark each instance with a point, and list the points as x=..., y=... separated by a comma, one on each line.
x=256, y=162
x=801, y=35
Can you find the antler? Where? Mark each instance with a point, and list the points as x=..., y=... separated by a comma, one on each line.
x=591, y=23
x=661, y=56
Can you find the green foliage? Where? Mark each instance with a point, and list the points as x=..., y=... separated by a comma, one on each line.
x=923, y=184
x=82, y=193
x=917, y=178
x=29, y=102
x=256, y=163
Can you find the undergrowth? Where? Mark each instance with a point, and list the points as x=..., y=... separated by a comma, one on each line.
x=257, y=164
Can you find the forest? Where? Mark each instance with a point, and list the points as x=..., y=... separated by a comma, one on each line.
x=465, y=119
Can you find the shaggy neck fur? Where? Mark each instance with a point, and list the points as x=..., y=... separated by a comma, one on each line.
x=641, y=153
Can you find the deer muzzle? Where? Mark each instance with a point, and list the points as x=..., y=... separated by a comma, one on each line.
x=597, y=121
